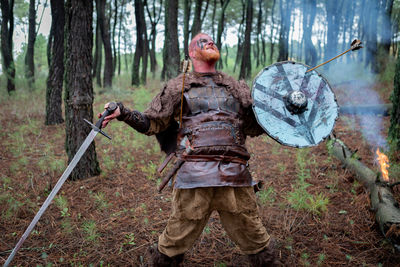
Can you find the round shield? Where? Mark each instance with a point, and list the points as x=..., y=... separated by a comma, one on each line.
x=295, y=107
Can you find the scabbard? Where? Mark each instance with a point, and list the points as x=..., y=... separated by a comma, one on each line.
x=165, y=162
x=170, y=174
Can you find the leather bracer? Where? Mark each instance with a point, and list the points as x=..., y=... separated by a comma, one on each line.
x=135, y=119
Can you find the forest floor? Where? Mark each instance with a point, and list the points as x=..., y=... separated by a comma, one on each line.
x=316, y=211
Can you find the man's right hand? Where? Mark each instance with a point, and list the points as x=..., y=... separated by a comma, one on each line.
x=107, y=119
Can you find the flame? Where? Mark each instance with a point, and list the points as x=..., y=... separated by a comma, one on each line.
x=384, y=163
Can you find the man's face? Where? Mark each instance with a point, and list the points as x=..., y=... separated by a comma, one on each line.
x=203, y=49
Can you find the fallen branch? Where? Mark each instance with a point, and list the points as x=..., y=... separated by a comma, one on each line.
x=387, y=212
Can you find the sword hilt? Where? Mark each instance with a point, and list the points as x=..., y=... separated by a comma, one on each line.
x=112, y=106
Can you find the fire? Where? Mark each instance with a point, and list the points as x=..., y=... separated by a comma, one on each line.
x=384, y=163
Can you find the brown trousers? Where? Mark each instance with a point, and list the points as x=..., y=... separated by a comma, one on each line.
x=191, y=209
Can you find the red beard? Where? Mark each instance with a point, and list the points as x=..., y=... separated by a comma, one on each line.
x=208, y=54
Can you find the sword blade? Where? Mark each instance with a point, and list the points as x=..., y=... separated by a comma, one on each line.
x=53, y=193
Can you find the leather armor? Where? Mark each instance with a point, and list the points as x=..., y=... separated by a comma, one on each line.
x=212, y=124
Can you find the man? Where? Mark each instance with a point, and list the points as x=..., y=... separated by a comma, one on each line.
x=216, y=118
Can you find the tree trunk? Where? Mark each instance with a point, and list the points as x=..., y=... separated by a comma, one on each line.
x=78, y=85
x=114, y=49
x=154, y=18
x=141, y=45
x=186, y=18
x=394, y=129
x=56, y=68
x=386, y=208
x=386, y=28
x=126, y=52
x=285, y=11
x=259, y=33
x=271, y=53
x=171, y=57
x=220, y=29
x=105, y=36
x=196, y=25
x=333, y=10
x=239, y=36
x=121, y=16
x=98, y=55
x=245, y=68
x=386, y=34
x=371, y=29
x=309, y=11
x=49, y=48
x=30, y=52
x=7, y=30
x=213, y=19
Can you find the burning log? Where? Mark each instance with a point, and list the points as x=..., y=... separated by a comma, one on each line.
x=383, y=110
x=387, y=211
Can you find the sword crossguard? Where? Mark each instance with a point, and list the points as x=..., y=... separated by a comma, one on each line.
x=94, y=127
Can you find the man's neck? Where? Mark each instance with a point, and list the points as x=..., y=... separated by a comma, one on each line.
x=201, y=66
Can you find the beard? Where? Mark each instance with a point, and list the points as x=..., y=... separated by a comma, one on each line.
x=208, y=54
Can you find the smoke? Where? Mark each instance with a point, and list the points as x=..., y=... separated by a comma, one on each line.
x=352, y=76
x=354, y=87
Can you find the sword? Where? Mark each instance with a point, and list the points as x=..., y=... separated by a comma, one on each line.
x=95, y=129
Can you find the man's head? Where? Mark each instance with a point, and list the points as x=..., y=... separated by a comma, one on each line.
x=203, y=48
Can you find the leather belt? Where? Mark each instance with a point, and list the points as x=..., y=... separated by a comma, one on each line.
x=222, y=158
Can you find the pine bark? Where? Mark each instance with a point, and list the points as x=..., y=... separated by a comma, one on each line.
x=120, y=19
x=141, y=46
x=56, y=69
x=113, y=35
x=387, y=25
x=196, y=25
x=309, y=12
x=371, y=29
x=154, y=18
x=220, y=29
x=7, y=30
x=30, y=52
x=285, y=11
x=171, y=56
x=78, y=85
x=272, y=34
x=259, y=33
x=240, y=37
x=98, y=55
x=105, y=36
x=333, y=10
x=213, y=19
x=245, y=68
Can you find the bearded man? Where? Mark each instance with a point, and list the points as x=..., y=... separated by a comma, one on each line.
x=216, y=118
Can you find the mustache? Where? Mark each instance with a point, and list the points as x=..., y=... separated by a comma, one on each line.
x=212, y=47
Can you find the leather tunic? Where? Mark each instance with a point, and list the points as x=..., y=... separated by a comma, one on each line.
x=212, y=126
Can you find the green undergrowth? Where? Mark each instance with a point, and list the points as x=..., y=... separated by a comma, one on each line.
x=300, y=198
x=266, y=196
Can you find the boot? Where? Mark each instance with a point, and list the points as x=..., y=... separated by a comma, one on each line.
x=264, y=258
x=157, y=259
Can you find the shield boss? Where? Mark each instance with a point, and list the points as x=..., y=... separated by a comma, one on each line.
x=295, y=108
